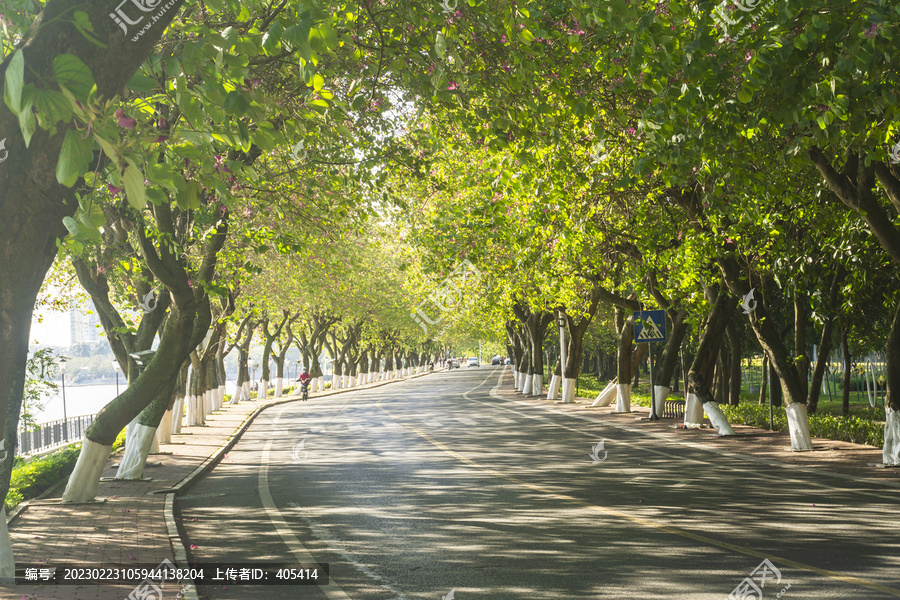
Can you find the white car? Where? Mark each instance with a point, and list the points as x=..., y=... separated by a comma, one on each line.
x=472, y=362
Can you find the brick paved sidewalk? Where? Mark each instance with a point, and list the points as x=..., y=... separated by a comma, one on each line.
x=844, y=458
x=128, y=525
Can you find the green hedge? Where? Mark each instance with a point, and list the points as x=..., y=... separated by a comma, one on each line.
x=32, y=478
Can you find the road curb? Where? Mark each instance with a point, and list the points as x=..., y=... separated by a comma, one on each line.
x=179, y=550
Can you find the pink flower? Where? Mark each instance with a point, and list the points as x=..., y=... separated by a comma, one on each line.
x=123, y=121
x=452, y=86
x=113, y=189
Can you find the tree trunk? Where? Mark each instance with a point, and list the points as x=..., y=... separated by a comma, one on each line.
x=891, y=452
x=734, y=340
x=826, y=340
x=625, y=326
x=699, y=395
x=140, y=438
x=845, y=349
x=801, y=318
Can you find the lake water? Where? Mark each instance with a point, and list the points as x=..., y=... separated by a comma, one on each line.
x=86, y=400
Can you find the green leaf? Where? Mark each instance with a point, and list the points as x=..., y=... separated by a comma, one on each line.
x=142, y=83
x=72, y=225
x=358, y=102
x=27, y=122
x=440, y=45
x=15, y=82
x=272, y=39
x=51, y=106
x=235, y=104
x=135, y=191
x=156, y=196
x=744, y=96
x=298, y=36
x=74, y=157
x=331, y=40
x=192, y=109
x=318, y=81
x=73, y=75
x=189, y=199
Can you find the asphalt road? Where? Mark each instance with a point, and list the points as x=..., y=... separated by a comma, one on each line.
x=416, y=489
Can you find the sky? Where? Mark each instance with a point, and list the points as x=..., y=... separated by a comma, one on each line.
x=54, y=330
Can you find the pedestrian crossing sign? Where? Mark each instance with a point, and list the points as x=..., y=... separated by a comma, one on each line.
x=649, y=326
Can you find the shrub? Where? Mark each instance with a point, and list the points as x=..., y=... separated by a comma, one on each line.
x=33, y=478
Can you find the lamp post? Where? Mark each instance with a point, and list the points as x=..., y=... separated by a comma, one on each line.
x=62, y=370
x=561, y=322
x=253, y=364
x=116, y=369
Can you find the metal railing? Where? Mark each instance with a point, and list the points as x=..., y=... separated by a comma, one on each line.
x=52, y=434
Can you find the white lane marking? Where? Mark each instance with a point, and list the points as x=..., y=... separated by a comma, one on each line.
x=301, y=554
x=335, y=545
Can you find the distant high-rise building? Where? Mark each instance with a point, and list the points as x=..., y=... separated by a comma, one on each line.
x=85, y=327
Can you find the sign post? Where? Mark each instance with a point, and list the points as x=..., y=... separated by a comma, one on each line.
x=650, y=326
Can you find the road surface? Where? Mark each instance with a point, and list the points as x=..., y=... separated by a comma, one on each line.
x=450, y=483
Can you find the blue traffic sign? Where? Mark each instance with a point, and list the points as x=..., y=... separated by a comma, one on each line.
x=649, y=326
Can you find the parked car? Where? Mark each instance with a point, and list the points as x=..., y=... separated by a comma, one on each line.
x=452, y=363
x=472, y=362
x=495, y=360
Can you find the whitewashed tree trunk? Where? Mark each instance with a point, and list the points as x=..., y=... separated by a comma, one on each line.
x=891, y=453
x=164, y=432
x=606, y=397
x=221, y=395
x=85, y=478
x=321, y=382
x=263, y=389
x=193, y=418
x=693, y=411
x=623, y=397
x=135, y=457
x=7, y=560
x=154, y=445
x=526, y=384
x=128, y=429
x=537, y=385
x=177, y=415
x=798, y=426
x=553, y=392
x=516, y=380
x=660, y=394
x=352, y=381
x=279, y=386
x=568, y=390
x=245, y=391
x=345, y=381
x=718, y=420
